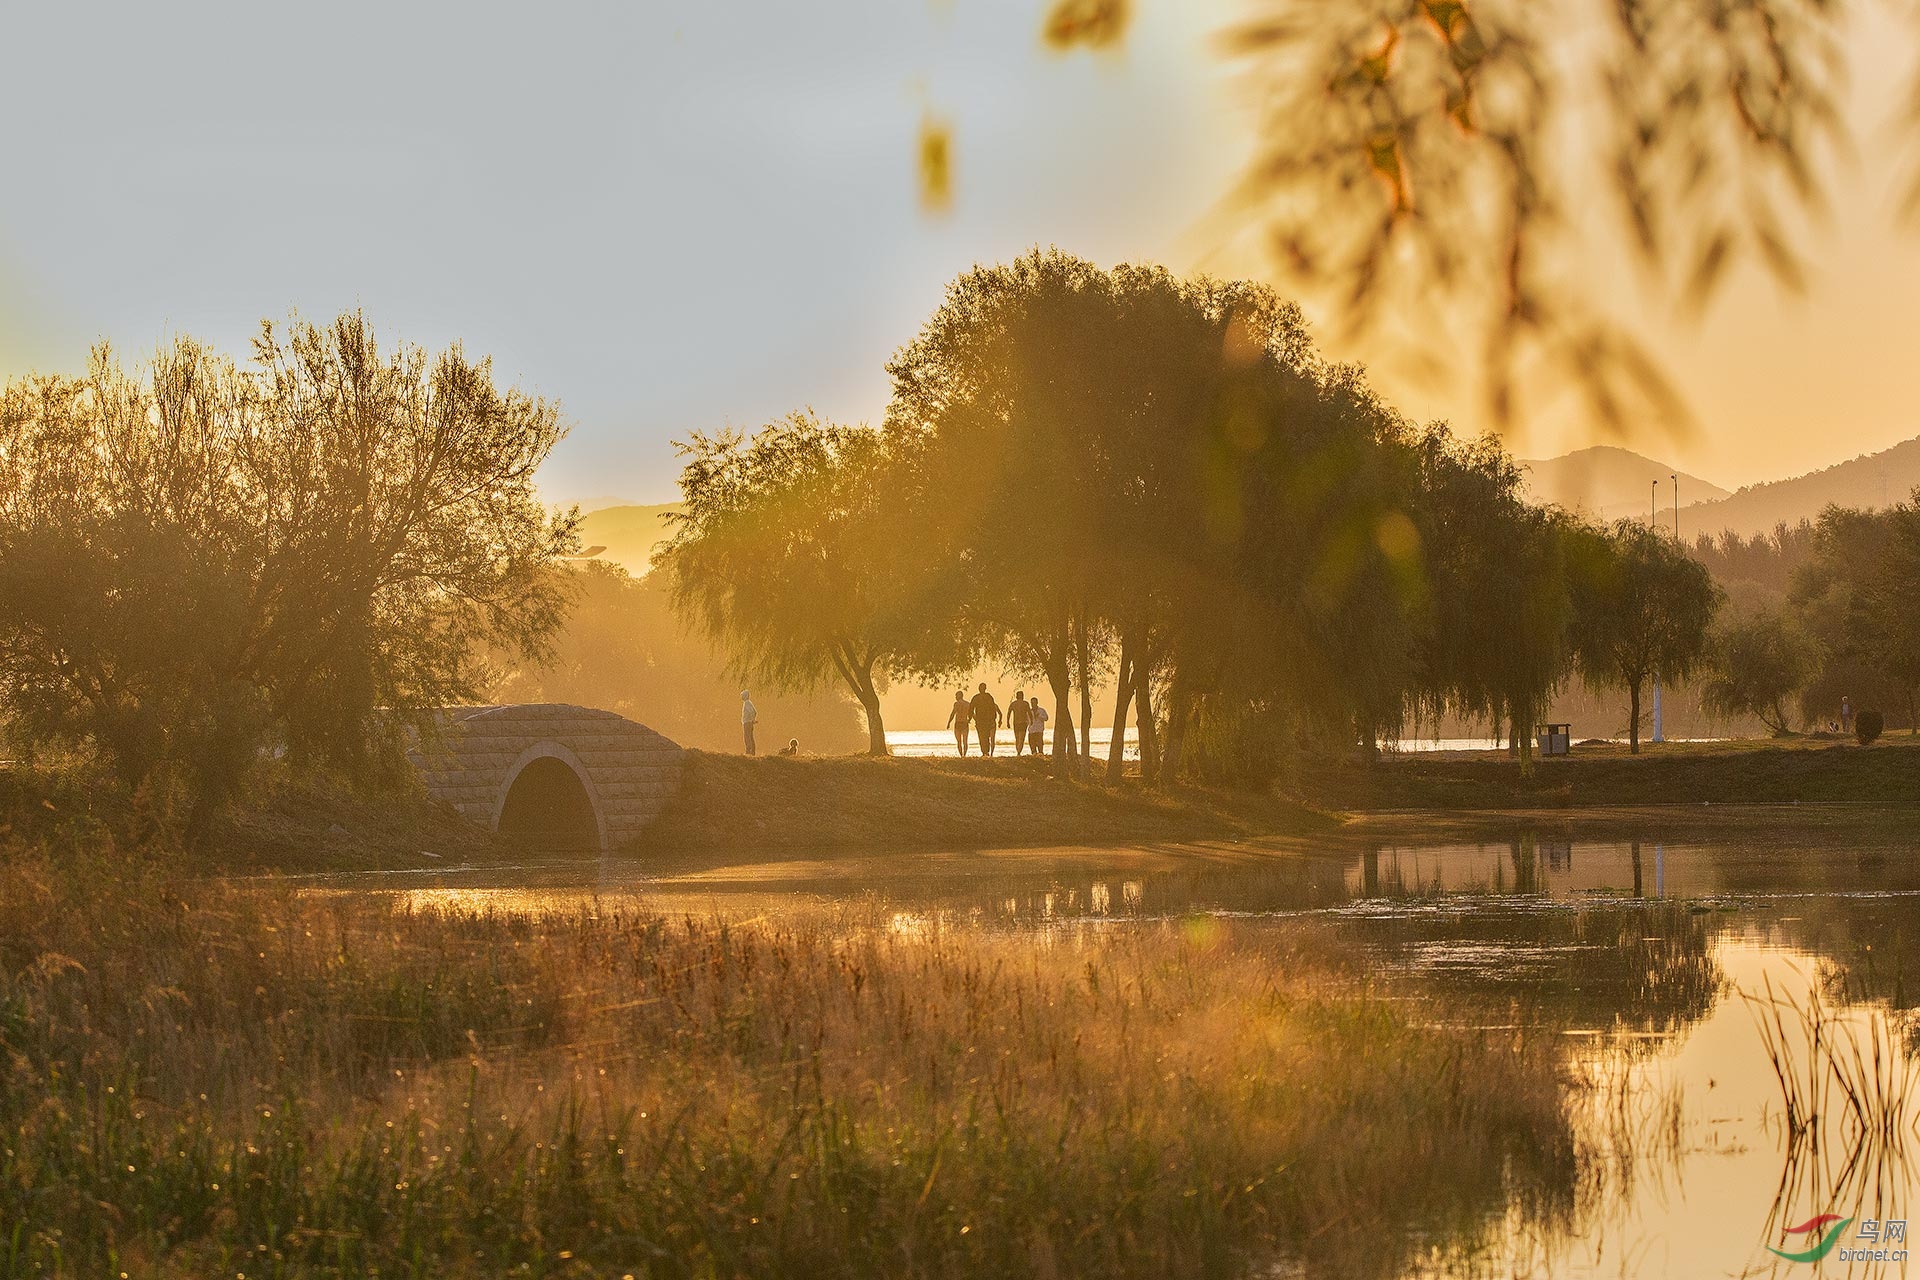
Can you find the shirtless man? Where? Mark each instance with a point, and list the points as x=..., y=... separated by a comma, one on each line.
x=986, y=719
x=1018, y=714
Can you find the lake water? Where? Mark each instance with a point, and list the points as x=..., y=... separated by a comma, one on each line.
x=1660, y=957
x=939, y=742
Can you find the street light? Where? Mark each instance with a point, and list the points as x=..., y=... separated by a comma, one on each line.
x=1653, y=522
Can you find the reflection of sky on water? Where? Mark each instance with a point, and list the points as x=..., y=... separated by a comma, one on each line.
x=1690, y=1170
x=1641, y=953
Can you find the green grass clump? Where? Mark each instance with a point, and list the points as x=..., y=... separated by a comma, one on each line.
x=223, y=1081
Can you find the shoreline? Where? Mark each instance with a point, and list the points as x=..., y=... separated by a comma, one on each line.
x=737, y=812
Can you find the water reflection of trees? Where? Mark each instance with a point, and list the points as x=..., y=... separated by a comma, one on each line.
x=1641, y=968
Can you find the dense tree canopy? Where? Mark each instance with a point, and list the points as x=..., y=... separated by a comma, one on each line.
x=200, y=560
x=1642, y=611
x=1857, y=595
x=1495, y=644
x=1757, y=663
x=790, y=552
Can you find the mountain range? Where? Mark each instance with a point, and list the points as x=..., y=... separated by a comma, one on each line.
x=628, y=533
x=1611, y=483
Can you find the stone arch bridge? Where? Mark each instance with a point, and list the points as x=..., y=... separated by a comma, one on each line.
x=559, y=776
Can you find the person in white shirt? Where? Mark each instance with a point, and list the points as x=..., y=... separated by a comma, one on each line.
x=1036, y=727
x=749, y=716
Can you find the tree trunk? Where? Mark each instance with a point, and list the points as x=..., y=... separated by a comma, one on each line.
x=858, y=675
x=1083, y=655
x=1179, y=709
x=876, y=727
x=1633, y=718
x=1122, y=699
x=1058, y=679
x=1149, y=731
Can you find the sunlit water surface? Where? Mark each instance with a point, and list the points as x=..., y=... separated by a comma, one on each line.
x=1659, y=963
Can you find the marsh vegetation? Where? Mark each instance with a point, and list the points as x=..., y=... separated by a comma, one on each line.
x=274, y=1083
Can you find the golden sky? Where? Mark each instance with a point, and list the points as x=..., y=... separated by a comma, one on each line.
x=685, y=216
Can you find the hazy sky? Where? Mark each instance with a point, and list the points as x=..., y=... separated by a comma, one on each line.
x=671, y=217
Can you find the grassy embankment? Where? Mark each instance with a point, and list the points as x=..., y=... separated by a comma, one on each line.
x=209, y=1081
x=736, y=804
x=735, y=807
x=1606, y=776
x=283, y=826
x=728, y=806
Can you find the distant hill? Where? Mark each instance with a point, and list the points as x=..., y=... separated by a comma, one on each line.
x=629, y=534
x=1870, y=480
x=602, y=502
x=1609, y=482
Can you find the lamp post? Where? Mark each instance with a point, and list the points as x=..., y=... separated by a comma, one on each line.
x=1653, y=523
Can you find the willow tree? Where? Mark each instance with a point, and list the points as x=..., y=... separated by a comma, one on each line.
x=1498, y=605
x=1758, y=662
x=997, y=394
x=1643, y=610
x=1166, y=465
x=798, y=551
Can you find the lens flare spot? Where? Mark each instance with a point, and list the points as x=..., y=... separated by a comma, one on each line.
x=935, y=151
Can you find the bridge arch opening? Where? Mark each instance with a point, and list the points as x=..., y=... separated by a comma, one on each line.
x=548, y=806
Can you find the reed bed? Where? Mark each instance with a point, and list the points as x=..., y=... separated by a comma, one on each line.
x=202, y=1081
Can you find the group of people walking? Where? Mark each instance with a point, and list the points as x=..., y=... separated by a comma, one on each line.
x=980, y=714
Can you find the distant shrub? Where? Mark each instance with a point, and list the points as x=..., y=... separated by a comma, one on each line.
x=1867, y=726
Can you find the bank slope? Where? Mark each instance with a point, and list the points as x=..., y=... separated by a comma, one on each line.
x=731, y=803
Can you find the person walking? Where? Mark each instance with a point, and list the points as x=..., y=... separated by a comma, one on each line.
x=957, y=720
x=1037, y=728
x=749, y=716
x=1017, y=718
x=986, y=719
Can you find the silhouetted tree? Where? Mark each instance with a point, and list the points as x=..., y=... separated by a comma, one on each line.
x=1757, y=663
x=1642, y=610
x=1857, y=595
x=1495, y=642
x=798, y=551
x=198, y=560
x=1159, y=474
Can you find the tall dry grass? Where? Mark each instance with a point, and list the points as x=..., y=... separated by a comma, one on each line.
x=202, y=1081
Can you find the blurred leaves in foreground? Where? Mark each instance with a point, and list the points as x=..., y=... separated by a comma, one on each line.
x=1435, y=162
x=1450, y=173
x=1093, y=24
x=935, y=165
